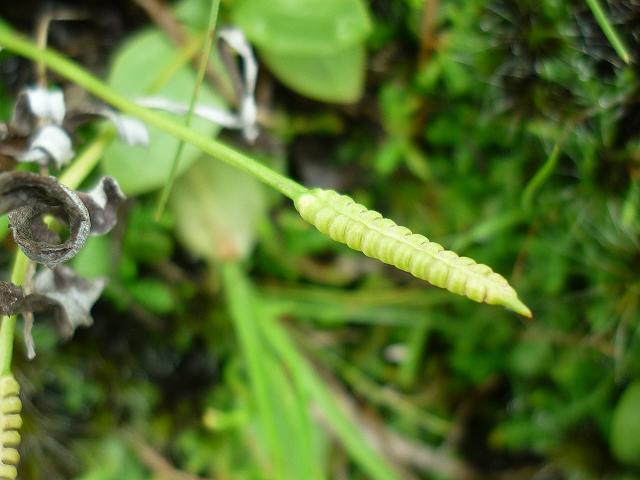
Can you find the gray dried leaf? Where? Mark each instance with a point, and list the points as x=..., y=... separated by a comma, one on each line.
x=61, y=291
x=28, y=335
x=103, y=202
x=10, y=296
x=50, y=144
x=28, y=198
x=36, y=105
x=73, y=294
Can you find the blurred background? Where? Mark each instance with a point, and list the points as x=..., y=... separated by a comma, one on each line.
x=234, y=341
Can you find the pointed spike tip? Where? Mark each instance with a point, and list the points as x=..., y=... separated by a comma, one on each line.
x=516, y=305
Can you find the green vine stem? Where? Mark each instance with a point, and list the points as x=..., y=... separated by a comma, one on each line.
x=18, y=44
x=72, y=177
x=202, y=68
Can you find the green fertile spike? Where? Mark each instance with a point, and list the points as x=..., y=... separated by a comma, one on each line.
x=348, y=222
x=10, y=423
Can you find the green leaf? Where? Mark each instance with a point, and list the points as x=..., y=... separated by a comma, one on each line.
x=153, y=295
x=346, y=430
x=217, y=210
x=313, y=27
x=136, y=68
x=284, y=413
x=315, y=47
x=625, y=441
x=110, y=459
x=145, y=239
x=334, y=77
x=95, y=258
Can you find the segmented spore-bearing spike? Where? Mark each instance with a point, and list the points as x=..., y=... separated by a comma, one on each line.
x=348, y=222
x=10, y=423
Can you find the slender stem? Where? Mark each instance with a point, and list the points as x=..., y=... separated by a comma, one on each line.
x=610, y=32
x=18, y=44
x=349, y=433
x=242, y=308
x=84, y=163
x=202, y=68
x=18, y=276
x=543, y=173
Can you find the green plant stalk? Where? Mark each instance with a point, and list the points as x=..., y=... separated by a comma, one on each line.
x=8, y=327
x=241, y=304
x=18, y=44
x=82, y=166
x=351, y=437
x=416, y=344
x=182, y=57
x=202, y=67
x=283, y=407
x=72, y=177
x=610, y=32
x=541, y=175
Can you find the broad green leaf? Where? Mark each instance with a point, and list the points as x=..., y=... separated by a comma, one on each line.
x=153, y=295
x=95, y=258
x=312, y=27
x=110, y=459
x=137, y=66
x=332, y=77
x=625, y=440
x=315, y=47
x=217, y=209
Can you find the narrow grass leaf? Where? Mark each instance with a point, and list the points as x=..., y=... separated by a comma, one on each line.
x=609, y=31
x=204, y=60
x=349, y=434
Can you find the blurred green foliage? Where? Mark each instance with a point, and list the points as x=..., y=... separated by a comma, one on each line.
x=504, y=129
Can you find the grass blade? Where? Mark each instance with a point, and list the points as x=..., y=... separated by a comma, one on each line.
x=349, y=434
x=283, y=412
x=609, y=31
x=202, y=67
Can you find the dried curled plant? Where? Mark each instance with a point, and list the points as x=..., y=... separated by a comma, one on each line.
x=40, y=131
x=29, y=198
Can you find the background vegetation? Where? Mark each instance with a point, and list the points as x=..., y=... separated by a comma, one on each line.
x=236, y=342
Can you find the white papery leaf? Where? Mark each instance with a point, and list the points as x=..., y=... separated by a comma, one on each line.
x=214, y=114
x=38, y=103
x=131, y=131
x=50, y=143
x=47, y=105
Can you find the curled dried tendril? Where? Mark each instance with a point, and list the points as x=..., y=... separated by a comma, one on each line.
x=29, y=198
